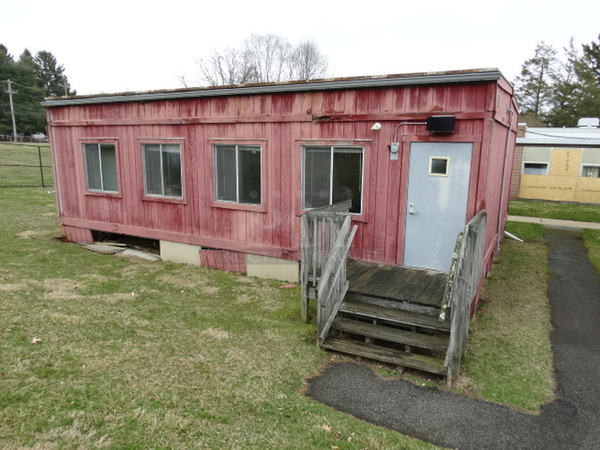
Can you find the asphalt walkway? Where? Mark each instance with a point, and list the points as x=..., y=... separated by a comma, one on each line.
x=448, y=420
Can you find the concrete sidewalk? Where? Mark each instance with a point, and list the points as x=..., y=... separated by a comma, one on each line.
x=555, y=222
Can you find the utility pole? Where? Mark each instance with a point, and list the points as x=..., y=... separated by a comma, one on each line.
x=10, y=93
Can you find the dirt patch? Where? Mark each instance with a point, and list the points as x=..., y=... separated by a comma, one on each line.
x=29, y=234
x=14, y=287
x=215, y=333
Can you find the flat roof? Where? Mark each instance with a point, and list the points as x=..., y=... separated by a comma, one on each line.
x=458, y=76
x=578, y=137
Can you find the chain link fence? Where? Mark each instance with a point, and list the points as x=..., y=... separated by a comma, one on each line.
x=25, y=165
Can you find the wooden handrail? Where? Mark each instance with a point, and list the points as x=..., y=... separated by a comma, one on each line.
x=463, y=281
x=333, y=285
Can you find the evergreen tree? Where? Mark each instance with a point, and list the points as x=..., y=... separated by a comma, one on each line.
x=31, y=116
x=566, y=91
x=7, y=72
x=51, y=75
x=31, y=79
x=588, y=73
x=534, y=85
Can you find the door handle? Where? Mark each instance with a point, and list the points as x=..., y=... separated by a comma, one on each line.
x=411, y=208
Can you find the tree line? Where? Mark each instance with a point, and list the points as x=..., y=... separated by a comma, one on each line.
x=28, y=80
x=552, y=90
x=557, y=90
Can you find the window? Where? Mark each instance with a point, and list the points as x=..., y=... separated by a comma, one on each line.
x=534, y=168
x=590, y=171
x=238, y=173
x=331, y=175
x=439, y=166
x=162, y=170
x=100, y=167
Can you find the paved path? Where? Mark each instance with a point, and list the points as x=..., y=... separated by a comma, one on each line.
x=448, y=420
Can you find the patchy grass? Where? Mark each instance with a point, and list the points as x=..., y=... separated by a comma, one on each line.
x=19, y=164
x=509, y=357
x=103, y=352
x=555, y=210
x=592, y=242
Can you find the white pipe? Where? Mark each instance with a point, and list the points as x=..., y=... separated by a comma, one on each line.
x=512, y=236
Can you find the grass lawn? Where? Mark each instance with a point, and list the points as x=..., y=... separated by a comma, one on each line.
x=555, y=210
x=509, y=357
x=97, y=351
x=19, y=164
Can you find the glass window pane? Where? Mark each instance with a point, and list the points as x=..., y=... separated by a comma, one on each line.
x=535, y=168
x=225, y=173
x=317, y=168
x=109, y=167
x=92, y=167
x=152, y=169
x=249, y=174
x=347, y=177
x=171, y=171
x=438, y=166
x=590, y=171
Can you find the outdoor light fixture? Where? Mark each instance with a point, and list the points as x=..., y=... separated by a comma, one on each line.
x=376, y=126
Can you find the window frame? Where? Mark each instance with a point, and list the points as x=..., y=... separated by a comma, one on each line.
x=237, y=201
x=143, y=142
x=360, y=148
x=437, y=174
x=546, y=163
x=584, y=166
x=101, y=141
x=265, y=181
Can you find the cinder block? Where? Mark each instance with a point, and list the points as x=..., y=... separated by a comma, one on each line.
x=273, y=268
x=180, y=253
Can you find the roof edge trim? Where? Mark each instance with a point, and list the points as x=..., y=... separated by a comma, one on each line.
x=320, y=85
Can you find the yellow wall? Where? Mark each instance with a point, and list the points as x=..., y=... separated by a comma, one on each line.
x=563, y=182
x=588, y=190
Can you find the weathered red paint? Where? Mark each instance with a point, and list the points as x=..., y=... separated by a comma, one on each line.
x=282, y=123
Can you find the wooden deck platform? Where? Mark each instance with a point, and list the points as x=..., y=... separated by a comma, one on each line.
x=403, y=284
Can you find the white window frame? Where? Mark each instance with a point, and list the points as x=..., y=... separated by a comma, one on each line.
x=447, y=173
x=98, y=145
x=546, y=163
x=162, y=173
x=237, y=200
x=358, y=149
x=585, y=166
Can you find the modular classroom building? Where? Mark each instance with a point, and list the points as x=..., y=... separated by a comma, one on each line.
x=558, y=164
x=220, y=176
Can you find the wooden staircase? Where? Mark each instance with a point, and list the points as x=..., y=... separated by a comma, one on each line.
x=391, y=314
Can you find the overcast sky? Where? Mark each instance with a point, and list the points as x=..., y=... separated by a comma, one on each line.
x=129, y=45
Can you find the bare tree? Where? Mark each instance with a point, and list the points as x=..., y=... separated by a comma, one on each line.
x=227, y=67
x=308, y=62
x=263, y=58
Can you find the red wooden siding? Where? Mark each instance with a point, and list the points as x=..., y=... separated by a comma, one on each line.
x=282, y=124
x=223, y=260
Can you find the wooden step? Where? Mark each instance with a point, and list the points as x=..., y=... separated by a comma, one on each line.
x=394, y=316
x=391, y=334
x=359, y=297
x=391, y=356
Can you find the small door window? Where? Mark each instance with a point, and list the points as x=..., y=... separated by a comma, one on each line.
x=439, y=166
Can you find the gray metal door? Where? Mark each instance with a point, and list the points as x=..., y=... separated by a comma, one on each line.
x=438, y=190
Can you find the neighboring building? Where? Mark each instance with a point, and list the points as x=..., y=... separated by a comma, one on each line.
x=221, y=176
x=558, y=164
